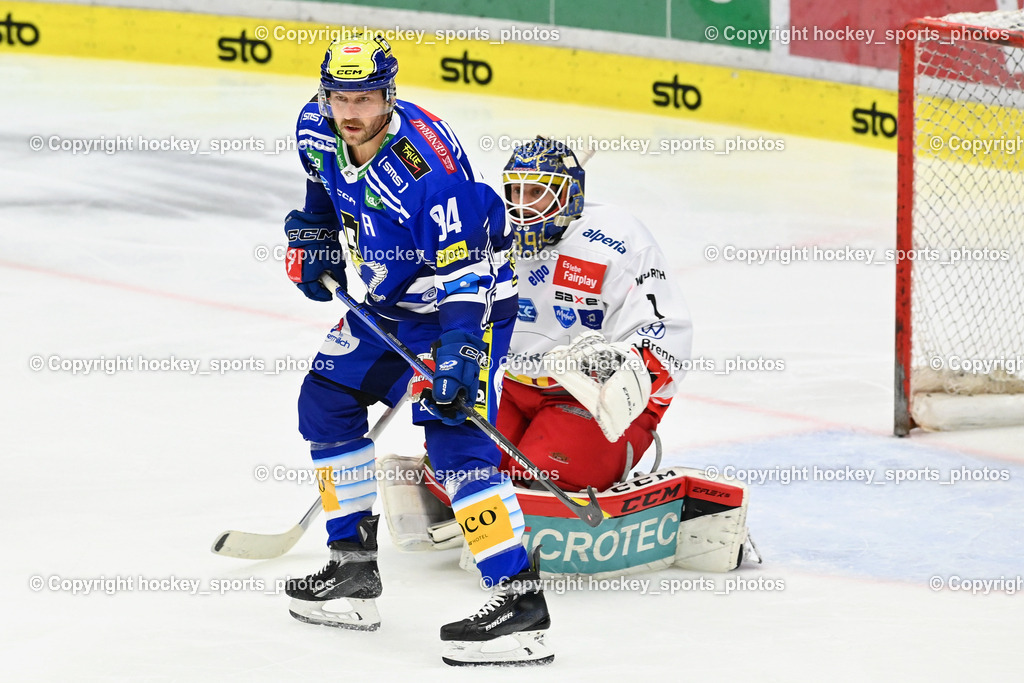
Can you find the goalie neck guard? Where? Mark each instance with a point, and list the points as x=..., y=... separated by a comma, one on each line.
x=361, y=64
x=543, y=185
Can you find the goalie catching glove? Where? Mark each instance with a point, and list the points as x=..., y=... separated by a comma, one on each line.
x=610, y=379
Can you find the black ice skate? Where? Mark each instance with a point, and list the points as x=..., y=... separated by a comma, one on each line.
x=507, y=631
x=342, y=593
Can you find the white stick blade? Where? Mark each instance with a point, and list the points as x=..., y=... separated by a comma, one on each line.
x=249, y=546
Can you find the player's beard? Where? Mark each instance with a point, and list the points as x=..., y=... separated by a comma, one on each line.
x=366, y=130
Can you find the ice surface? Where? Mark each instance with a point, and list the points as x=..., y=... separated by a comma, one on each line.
x=133, y=474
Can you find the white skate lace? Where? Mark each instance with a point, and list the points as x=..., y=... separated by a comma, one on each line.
x=329, y=568
x=493, y=603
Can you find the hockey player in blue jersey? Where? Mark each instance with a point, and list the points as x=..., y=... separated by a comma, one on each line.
x=390, y=190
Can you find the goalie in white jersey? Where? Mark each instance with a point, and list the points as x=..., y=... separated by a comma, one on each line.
x=602, y=333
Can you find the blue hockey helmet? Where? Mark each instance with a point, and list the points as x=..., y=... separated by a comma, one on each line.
x=543, y=183
x=359, y=64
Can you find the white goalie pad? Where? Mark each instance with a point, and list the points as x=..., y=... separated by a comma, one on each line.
x=609, y=379
x=411, y=511
x=712, y=543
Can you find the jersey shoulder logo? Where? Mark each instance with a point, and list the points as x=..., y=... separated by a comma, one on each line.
x=432, y=138
x=411, y=158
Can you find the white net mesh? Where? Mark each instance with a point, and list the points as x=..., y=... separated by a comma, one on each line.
x=968, y=186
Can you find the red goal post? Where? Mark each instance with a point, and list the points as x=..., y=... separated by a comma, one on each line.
x=960, y=220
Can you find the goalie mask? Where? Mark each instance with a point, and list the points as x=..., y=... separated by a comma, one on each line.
x=543, y=184
x=363, y=63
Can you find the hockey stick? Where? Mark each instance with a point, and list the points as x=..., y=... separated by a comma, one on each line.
x=590, y=513
x=252, y=546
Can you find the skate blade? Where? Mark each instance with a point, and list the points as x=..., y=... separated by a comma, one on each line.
x=358, y=615
x=526, y=648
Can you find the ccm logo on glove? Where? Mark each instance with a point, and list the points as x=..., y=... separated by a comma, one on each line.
x=313, y=235
x=481, y=358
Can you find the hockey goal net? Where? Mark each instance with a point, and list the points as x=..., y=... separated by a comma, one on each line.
x=960, y=223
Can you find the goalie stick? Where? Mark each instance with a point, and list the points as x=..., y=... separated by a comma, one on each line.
x=590, y=513
x=252, y=546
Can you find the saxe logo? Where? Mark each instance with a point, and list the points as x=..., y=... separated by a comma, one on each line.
x=465, y=69
x=18, y=32
x=873, y=121
x=247, y=49
x=576, y=298
x=675, y=94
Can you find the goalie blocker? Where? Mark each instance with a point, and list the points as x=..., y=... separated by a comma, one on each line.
x=672, y=517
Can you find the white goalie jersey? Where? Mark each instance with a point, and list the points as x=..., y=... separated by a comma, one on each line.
x=606, y=274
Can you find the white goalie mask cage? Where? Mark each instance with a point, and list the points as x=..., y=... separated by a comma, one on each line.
x=526, y=210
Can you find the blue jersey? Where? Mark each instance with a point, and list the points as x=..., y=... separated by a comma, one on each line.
x=427, y=239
